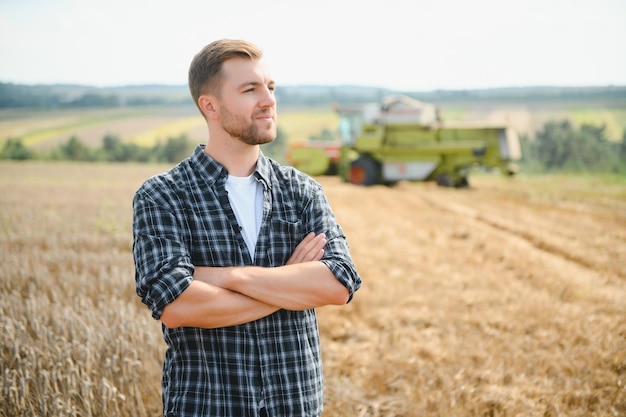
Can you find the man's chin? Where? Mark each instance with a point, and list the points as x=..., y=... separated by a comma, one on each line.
x=267, y=137
x=265, y=141
x=261, y=140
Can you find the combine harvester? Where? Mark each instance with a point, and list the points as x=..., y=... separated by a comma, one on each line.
x=404, y=139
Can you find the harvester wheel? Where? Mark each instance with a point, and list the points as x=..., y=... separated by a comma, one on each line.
x=462, y=182
x=364, y=171
x=444, y=180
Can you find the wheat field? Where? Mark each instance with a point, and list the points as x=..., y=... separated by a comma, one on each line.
x=507, y=299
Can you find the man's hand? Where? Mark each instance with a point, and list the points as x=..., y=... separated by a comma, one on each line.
x=310, y=249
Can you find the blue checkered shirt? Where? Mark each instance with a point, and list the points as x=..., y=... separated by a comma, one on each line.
x=183, y=218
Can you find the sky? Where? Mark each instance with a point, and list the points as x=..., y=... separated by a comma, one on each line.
x=407, y=45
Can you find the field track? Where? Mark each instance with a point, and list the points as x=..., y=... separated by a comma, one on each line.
x=505, y=299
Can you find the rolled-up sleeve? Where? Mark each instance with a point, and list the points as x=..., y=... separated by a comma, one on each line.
x=163, y=268
x=336, y=252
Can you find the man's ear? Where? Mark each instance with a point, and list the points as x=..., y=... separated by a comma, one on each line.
x=207, y=105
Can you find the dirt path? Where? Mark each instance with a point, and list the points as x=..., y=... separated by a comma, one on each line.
x=505, y=299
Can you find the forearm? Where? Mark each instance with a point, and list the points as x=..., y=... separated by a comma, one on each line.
x=207, y=306
x=293, y=287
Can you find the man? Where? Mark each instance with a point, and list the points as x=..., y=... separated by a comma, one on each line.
x=233, y=253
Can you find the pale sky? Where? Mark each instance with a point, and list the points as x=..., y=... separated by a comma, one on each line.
x=410, y=45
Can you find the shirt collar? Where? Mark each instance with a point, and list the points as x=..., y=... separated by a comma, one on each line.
x=263, y=170
x=214, y=170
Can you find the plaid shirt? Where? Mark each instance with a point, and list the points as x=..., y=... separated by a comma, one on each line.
x=183, y=218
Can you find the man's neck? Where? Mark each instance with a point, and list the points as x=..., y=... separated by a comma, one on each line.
x=238, y=158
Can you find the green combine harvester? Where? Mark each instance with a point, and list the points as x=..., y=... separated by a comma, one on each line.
x=402, y=139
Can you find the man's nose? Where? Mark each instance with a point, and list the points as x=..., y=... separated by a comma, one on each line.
x=268, y=99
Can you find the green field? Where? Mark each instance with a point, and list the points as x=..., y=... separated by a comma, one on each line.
x=143, y=125
x=146, y=126
x=614, y=119
x=528, y=118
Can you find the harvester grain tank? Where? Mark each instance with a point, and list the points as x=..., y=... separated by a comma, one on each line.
x=404, y=139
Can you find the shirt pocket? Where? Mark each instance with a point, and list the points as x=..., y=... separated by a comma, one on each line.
x=284, y=236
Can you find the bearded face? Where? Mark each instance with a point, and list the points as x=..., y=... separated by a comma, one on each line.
x=252, y=130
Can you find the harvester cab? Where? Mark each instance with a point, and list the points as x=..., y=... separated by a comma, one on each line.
x=391, y=109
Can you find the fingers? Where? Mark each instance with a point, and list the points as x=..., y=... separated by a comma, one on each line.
x=313, y=249
x=310, y=249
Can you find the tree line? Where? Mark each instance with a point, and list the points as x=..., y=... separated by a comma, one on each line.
x=14, y=96
x=74, y=96
x=113, y=149
x=562, y=147
x=558, y=147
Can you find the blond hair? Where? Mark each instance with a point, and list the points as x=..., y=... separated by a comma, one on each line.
x=205, y=71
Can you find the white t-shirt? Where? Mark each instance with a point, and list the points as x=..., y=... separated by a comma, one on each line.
x=246, y=198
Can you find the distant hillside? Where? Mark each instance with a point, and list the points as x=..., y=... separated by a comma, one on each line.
x=67, y=96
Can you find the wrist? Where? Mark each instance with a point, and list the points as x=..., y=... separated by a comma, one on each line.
x=233, y=277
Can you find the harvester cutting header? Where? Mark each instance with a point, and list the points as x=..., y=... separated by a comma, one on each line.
x=404, y=139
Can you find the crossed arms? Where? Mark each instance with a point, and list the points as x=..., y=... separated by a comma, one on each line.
x=219, y=297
